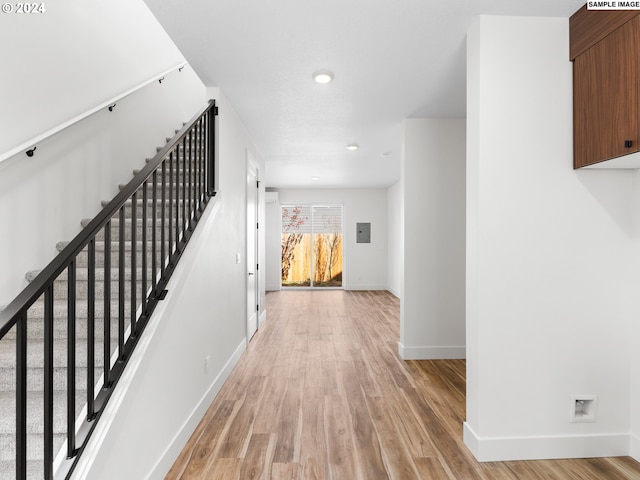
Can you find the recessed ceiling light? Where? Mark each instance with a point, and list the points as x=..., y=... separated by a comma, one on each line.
x=352, y=147
x=315, y=178
x=323, y=76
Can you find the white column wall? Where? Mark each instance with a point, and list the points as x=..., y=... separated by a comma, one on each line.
x=432, y=315
x=634, y=450
x=395, y=240
x=273, y=262
x=552, y=262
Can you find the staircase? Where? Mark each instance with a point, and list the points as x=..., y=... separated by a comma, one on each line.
x=84, y=352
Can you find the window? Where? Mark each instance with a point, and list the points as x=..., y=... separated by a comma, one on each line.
x=312, y=246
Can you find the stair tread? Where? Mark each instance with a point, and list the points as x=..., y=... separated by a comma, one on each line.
x=83, y=275
x=114, y=245
x=128, y=220
x=35, y=408
x=35, y=349
x=35, y=469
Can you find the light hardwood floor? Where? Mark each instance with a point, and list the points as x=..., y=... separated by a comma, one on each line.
x=321, y=394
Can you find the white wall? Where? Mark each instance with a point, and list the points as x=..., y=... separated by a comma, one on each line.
x=395, y=239
x=552, y=262
x=44, y=198
x=97, y=50
x=432, y=312
x=273, y=262
x=168, y=391
x=364, y=264
x=635, y=340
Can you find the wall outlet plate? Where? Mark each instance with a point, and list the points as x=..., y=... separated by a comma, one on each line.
x=583, y=408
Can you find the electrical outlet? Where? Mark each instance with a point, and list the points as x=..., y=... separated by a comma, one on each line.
x=584, y=408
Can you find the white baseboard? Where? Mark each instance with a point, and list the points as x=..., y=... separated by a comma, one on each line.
x=502, y=449
x=431, y=353
x=634, y=447
x=173, y=450
x=364, y=286
x=262, y=318
x=394, y=292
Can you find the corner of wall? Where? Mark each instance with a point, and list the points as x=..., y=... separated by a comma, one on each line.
x=536, y=227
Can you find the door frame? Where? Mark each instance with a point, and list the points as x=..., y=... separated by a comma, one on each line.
x=253, y=243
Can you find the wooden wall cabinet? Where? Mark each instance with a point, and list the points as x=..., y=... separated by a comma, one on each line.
x=605, y=50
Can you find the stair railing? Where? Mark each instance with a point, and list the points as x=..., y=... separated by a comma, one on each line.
x=166, y=199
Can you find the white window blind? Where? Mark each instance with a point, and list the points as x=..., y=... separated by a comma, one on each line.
x=308, y=219
x=327, y=218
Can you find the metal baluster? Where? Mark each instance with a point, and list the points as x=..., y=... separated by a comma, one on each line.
x=189, y=178
x=71, y=359
x=178, y=197
x=212, y=147
x=134, y=260
x=184, y=188
x=48, y=383
x=106, y=351
x=121, y=284
x=21, y=397
x=162, y=220
x=170, y=207
x=91, y=327
x=201, y=124
x=154, y=213
x=145, y=218
x=205, y=154
x=198, y=160
x=196, y=170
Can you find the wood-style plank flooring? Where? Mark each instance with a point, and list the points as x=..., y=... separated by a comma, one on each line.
x=321, y=394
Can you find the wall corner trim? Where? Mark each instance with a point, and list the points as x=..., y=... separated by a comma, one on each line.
x=504, y=449
x=634, y=447
x=393, y=291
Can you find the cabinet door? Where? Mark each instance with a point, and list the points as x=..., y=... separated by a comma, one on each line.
x=605, y=97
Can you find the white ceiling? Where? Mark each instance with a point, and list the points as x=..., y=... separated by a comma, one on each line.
x=391, y=60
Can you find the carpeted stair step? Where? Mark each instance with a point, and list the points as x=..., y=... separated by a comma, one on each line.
x=193, y=145
x=35, y=426
x=115, y=228
x=35, y=448
x=35, y=369
x=35, y=469
x=35, y=409
x=193, y=169
x=139, y=206
x=82, y=258
x=35, y=321
x=179, y=188
x=82, y=274
x=60, y=285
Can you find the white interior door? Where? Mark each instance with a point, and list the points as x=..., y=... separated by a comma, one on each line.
x=252, y=246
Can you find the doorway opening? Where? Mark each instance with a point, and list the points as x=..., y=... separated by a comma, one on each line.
x=253, y=279
x=311, y=245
